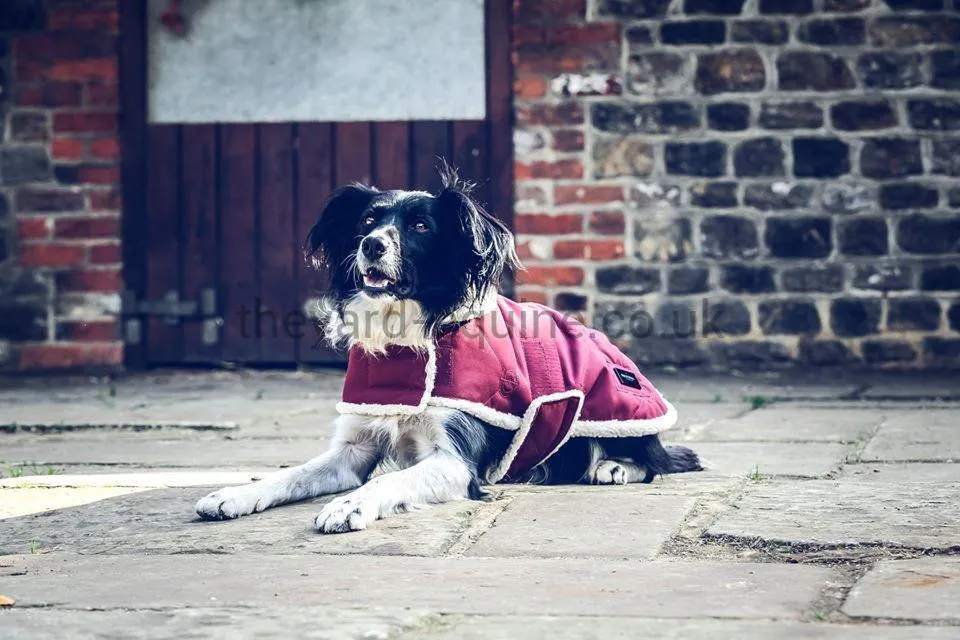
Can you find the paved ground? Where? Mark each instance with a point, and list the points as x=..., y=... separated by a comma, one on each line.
x=832, y=511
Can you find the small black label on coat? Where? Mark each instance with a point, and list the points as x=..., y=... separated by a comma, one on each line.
x=628, y=379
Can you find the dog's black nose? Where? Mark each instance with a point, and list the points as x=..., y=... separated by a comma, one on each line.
x=372, y=248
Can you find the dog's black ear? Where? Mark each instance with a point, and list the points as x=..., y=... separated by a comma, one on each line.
x=492, y=242
x=331, y=238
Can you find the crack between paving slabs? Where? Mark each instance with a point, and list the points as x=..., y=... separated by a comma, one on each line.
x=848, y=561
x=479, y=522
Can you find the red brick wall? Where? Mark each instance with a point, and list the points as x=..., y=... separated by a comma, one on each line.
x=564, y=220
x=60, y=178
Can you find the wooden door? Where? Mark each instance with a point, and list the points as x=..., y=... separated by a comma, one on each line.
x=215, y=214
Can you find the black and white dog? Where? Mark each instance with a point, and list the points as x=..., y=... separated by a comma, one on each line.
x=404, y=265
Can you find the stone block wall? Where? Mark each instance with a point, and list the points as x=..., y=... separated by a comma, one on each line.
x=60, y=262
x=744, y=183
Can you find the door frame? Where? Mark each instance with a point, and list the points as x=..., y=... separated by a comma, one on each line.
x=133, y=117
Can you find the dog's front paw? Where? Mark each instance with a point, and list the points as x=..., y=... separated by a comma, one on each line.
x=609, y=472
x=346, y=513
x=231, y=502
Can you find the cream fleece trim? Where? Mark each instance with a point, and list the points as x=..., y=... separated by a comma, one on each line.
x=584, y=428
x=480, y=411
x=430, y=371
x=625, y=428
x=497, y=473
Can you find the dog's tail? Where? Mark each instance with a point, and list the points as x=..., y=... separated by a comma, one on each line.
x=673, y=459
x=649, y=453
x=682, y=460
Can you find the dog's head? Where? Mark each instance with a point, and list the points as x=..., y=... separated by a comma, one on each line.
x=441, y=251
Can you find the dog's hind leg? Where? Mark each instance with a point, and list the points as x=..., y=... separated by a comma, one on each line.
x=640, y=459
x=616, y=472
x=345, y=465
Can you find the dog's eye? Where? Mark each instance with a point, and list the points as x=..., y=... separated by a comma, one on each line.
x=368, y=221
x=420, y=226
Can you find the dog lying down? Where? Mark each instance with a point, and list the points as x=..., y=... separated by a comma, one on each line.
x=449, y=384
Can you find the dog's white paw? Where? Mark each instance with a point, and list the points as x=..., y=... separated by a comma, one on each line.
x=346, y=513
x=609, y=472
x=231, y=502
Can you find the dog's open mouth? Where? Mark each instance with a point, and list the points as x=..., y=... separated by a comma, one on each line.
x=376, y=279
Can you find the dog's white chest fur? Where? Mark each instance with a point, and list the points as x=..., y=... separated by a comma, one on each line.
x=375, y=323
x=402, y=440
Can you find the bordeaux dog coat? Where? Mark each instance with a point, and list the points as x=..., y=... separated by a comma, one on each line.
x=522, y=367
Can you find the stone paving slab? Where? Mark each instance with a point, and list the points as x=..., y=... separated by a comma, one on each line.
x=214, y=398
x=921, y=589
x=83, y=470
x=316, y=423
x=98, y=437
x=128, y=395
x=913, y=385
x=806, y=460
x=696, y=415
x=243, y=411
x=185, y=383
x=16, y=503
x=695, y=388
x=619, y=523
x=885, y=404
x=217, y=412
x=916, y=436
x=625, y=628
x=325, y=623
x=149, y=449
x=280, y=622
x=152, y=479
x=163, y=521
x=683, y=484
x=46, y=421
x=914, y=472
x=503, y=586
x=791, y=424
x=843, y=512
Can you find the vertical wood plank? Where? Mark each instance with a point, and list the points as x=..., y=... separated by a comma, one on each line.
x=278, y=279
x=133, y=128
x=431, y=144
x=391, y=155
x=499, y=18
x=471, y=156
x=352, y=144
x=238, y=242
x=199, y=233
x=164, y=341
x=314, y=184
